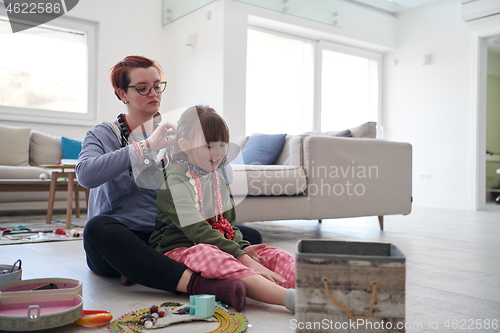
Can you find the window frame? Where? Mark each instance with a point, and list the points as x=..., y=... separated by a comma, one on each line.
x=302, y=39
x=350, y=50
x=12, y=113
x=320, y=45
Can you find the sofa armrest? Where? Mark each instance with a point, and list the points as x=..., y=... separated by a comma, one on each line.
x=355, y=177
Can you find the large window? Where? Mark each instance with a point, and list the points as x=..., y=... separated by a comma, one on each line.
x=349, y=87
x=45, y=72
x=280, y=79
x=295, y=85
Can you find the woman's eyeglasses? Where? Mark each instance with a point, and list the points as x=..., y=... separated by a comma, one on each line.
x=144, y=89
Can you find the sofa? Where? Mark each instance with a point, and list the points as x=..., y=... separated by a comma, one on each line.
x=318, y=176
x=22, y=152
x=313, y=176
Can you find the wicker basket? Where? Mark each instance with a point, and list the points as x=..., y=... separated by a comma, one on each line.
x=11, y=273
x=349, y=287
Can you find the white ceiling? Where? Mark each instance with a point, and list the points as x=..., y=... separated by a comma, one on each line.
x=395, y=6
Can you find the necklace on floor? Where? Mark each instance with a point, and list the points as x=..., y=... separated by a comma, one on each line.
x=228, y=322
x=217, y=221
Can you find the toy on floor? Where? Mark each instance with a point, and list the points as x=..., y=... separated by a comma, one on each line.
x=202, y=305
x=93, y=318
x=60, y=231
x=72, y=232
x=168, y=313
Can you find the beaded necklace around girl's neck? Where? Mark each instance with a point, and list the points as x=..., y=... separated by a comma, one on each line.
x=217, y=221
x=190, y=166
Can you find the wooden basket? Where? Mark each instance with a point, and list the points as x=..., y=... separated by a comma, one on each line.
x=349, y=287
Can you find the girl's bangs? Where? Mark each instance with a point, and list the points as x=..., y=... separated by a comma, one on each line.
x=215, y=130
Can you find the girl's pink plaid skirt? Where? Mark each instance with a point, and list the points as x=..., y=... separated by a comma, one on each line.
x=213, y=263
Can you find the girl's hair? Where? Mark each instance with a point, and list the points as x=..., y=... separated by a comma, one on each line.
x=120, y=77
x=214, y=127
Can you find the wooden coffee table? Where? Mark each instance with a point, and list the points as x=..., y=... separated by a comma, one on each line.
x=62, y=179
x=66, y=172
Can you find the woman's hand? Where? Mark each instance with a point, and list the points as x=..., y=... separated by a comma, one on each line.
x=251, y=250
x=268, y=274
x=158, y=139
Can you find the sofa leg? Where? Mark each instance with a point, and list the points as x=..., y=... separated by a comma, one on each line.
x=320, y=220
x=381, y=222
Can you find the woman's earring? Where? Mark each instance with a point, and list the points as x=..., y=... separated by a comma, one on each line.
x=124, y=102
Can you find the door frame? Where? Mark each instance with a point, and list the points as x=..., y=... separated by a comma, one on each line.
x=478, y=121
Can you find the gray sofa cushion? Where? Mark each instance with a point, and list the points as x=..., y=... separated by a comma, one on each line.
x=275, y=180
x=23, y=172
x=44, y=148
x=285, y=152
x=16, y=149
x=365, y=130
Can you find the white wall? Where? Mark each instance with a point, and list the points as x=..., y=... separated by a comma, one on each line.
x=431, y=105
x=194, y=73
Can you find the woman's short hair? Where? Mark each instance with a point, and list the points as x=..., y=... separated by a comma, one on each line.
x=120, y=77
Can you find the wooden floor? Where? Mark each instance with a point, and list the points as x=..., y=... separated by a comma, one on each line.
x=452, y=268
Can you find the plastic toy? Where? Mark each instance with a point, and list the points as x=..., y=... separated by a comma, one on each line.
x=92, y=318
x=202, y=306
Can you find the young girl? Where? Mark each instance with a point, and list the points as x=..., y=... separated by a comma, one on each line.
x=195, y=217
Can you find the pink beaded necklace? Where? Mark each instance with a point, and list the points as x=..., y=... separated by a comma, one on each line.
x=218, y=222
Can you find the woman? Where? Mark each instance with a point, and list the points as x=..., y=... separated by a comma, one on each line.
x=115, y=157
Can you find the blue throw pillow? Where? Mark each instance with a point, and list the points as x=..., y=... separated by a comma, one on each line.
x=262, y=149
x=70, y=148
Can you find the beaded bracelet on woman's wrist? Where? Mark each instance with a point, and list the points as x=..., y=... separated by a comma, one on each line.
x=145, y=154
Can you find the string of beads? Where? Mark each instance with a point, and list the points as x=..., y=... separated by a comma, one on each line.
x=217, y=221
